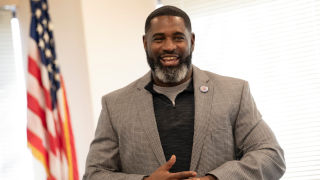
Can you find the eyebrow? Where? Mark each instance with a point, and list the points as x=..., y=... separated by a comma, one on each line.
x=179, y=33
x=162, y=34
x=158, y=34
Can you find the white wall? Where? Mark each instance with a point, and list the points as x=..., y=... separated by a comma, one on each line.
x=113, y=33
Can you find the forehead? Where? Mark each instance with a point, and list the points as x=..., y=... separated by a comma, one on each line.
x=167, y=23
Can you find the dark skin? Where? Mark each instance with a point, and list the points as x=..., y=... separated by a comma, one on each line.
x=169, y=34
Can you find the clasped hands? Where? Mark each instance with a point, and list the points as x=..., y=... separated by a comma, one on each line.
x=162, y=173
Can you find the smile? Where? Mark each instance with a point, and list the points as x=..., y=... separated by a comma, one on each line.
x=169, y=60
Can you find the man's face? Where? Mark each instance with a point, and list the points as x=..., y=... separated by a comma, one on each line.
x=169, y=45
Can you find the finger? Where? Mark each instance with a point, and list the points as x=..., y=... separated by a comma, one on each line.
x=167, y=166
x=183, y=175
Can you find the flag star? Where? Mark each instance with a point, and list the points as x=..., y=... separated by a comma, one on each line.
x=46, y=37
x=39, y=28
x=44, y=22
x=50, y=26
x=48, y=53
x=49, y=67
x=57, y=77
x=44, y=6
x=41, y=43
x=38, y=13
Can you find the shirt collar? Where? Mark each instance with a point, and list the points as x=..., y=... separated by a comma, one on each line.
x=149, y=87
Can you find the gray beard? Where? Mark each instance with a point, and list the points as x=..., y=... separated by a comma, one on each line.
x=171, y=74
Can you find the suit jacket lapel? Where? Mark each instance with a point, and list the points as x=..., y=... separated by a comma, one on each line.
x=144, y=104
x=203, y=106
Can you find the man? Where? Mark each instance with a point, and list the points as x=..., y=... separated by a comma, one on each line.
x=179, y=122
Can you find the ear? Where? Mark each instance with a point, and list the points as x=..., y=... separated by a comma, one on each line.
x=192, y=41
x=144, y=39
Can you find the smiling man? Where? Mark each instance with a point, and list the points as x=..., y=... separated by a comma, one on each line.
x=179, y=122
x=169, y=45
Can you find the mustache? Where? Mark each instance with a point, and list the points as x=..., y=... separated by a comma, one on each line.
x=167, y=54
x=155, y=62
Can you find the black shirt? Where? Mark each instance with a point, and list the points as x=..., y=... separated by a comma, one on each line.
x=175, y=125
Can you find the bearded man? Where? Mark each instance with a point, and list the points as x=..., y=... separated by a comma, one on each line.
x=179, y=122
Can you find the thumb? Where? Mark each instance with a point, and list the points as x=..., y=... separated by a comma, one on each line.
x=167, y=166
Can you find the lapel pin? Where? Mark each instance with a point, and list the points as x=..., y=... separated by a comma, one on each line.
x=204, y=89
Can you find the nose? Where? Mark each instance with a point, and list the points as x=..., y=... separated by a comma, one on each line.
x=169, y=46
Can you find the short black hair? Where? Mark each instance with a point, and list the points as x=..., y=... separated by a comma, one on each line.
x=168, y=11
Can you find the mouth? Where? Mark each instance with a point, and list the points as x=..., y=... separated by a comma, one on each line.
x=170, y=60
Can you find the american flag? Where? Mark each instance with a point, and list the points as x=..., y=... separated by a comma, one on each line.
x=49, y=131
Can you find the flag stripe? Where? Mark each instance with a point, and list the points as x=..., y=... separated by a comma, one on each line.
x=40, y=150
x=34, y=106
x=36, y=142
x=69, y=135
x=35, y=125
x=52, y=141
x=42, y=157
x=34, y=69
x=39, y=156
x=35, y=90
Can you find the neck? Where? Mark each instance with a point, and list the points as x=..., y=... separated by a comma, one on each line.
x=160, y=83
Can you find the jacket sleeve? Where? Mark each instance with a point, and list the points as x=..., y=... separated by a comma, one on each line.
x=261, y=157
x=103, y=161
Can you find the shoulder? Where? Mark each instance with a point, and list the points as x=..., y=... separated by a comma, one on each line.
x=225, y=82
x=218, y=77
x=224, y=87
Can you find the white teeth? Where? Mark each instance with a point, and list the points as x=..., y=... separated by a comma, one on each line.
x=169, y=58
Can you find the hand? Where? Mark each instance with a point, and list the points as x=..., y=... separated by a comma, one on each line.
x=208, y=177
x=162, y=173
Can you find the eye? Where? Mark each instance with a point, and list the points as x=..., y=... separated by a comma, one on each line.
x=179, y=38
x=158, y=39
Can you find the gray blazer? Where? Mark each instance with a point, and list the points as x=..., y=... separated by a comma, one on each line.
x=231, y=141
